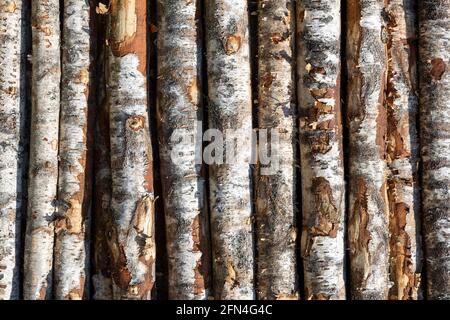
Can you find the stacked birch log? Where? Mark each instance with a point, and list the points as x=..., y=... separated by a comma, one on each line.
x=93, y=204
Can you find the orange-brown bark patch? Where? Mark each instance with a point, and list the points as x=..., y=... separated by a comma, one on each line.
x=232, y=44
x=128, y=26
x=438, y=68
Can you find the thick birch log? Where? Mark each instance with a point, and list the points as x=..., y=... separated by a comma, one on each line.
x=101, y=215
x=434, y=51
x=12, y=152
x=43, y=171
x=368, y=228
x=322, y=163
x=402, y=147
x=71, y=242
x=276, y=192
x=230, y=108
x=179, y=109
x=132, y=239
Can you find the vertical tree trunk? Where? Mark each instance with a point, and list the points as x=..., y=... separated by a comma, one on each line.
x=43, y=172
x=230, y=108
x=132, y=239
x=434, y=50
x=276, y=193
x=71, y=243
x=179, y=109
x=101, y=273
x=322, y=163
x=12, y=153
x=402, y=147
x=101, y=268
x=368, y=228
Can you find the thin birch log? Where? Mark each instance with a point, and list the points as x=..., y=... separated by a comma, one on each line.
x=179, y=109
x=71, y=244
x=434, y=51
x=230, y=108
x=101, y=268
x=322, y=163
x=43, y=171
x=101, y=273
x=402, y=148
x=276, y=192
x=132, y=239
x=12, y=153
x=368, y=228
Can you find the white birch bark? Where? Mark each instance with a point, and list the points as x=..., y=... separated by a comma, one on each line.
x=227, y=42
x=71, y=243
x=322, y=163
x=179, y=109
x=276, y=193
x=43, y=167
x=402, y=148
x=368, y=228
x=132, y=239
x=434, y=51
x=12, y=161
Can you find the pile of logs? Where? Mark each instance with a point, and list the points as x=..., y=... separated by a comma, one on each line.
x=93, y=204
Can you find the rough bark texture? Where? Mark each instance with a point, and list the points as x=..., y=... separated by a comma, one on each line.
x=132, y=239
x=43, y=171
x=12, y=153
x=434, y=50
x=276, y=231
x=179, y=108
x=230, y=108
x=71, y=242
x=322, y=163
x=101, y=215
x=368, y=228
x=402, y=148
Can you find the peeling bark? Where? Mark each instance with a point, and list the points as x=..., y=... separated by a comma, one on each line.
x=230, y=108
x=402, y=148
x=43, y=171
x=434, y=51
x=131, y=238
x=71, y=243
x=276, y=194
x=322, y=163
x=368, y=229
x=12, y=152
x=179, y=108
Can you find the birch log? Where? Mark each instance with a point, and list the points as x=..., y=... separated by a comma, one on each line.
x=71, y=242
x=101, y=273
x=276, y=193
x=322, y=163
x=12, y=153
x=43, y=171
x=434, y=51
x=179, y=109
x=368, y=228
x=402, y=147
x=101, y=215
x=132, y=239
x=227, y=42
